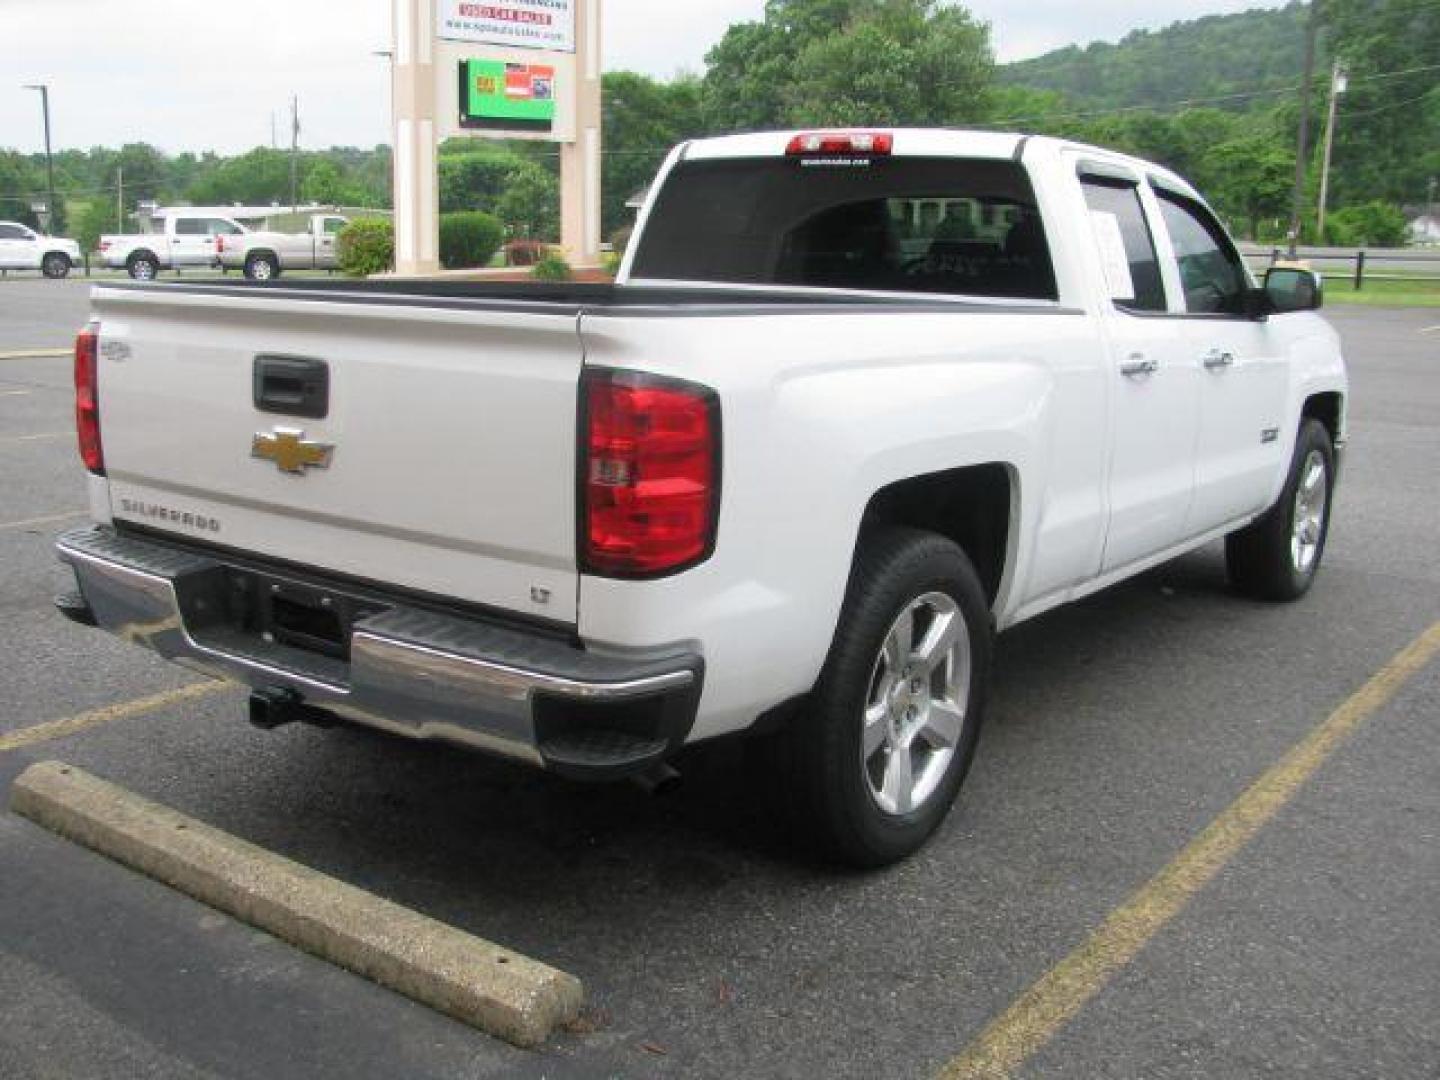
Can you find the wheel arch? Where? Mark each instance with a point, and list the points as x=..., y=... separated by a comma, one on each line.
x=976, y=506
x=1328, y=407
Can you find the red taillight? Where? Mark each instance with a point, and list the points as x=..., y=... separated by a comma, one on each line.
x=873, y=143
x=219, y=245
x=650, y=474
x=87, y=398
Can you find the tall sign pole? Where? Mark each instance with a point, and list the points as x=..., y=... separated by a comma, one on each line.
x=580, y=159
x=495, y=69
x=417, y=182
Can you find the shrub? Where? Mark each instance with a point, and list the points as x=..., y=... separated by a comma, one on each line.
x=611, y=263
x=1374, y=223
x=366, y=246
x=620, y=238
x=468, y=238
x=553, y=267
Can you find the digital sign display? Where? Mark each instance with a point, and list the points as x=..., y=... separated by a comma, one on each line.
x=504, y=96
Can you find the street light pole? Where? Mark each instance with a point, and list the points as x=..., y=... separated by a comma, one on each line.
x=49, y=159
x=1339, y=82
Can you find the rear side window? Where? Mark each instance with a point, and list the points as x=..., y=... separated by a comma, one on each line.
x=1115, y=208
x=931, y=225
x=187, y=226
x=221, y=227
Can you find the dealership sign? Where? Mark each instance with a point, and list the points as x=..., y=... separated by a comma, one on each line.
x=525, y=24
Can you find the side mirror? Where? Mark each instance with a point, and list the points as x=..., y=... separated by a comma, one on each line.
x=1289, y=288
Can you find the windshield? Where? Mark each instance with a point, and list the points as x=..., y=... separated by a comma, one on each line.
x=933, y=225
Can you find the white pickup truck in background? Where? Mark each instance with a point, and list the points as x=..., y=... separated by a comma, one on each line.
x=859, y=401
x=186, y=240
x=264, y=255
x=22, y=248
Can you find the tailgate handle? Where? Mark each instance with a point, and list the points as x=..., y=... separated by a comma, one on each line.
x=292, y=386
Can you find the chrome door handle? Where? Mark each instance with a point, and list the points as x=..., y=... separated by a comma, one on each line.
x=1137, y=366
x=1217, y=360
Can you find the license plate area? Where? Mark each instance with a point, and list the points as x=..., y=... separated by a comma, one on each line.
x=284, y=612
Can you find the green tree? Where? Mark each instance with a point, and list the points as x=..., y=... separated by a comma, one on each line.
x=96, y=219
x=256, y=178
x=1254, y=178
x=849, y=62
x=911, y=63
x=530, y=203
x=643, y=119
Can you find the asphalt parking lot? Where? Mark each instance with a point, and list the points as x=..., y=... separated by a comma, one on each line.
x=1121, y=728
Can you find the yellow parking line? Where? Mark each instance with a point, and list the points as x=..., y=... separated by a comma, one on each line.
x=1050, y=1003
x=15, y=393
x=73, y=725
x=35, y=354
x=51, y=519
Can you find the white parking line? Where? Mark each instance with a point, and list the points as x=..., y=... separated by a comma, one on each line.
x=52, y=519
x=1431, y=330
x=38, y=437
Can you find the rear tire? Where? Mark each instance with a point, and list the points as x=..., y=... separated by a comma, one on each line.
x=874, y=762
x=262, y=267
x=1277, y=557
x=55, y=265
x=143, y=267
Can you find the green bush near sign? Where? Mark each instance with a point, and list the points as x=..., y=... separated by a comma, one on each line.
x=468, y=239
x=366, y=246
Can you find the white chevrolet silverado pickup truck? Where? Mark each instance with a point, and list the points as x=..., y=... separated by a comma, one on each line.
x=858, y=402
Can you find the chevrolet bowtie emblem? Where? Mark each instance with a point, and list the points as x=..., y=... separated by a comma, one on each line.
x=291, y=451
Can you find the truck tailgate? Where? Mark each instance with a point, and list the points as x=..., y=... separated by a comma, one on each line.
x=452, y=435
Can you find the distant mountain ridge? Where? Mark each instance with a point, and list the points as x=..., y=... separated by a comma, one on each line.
x=1206, y=58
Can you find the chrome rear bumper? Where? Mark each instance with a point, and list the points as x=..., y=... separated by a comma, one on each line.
x=409, y=670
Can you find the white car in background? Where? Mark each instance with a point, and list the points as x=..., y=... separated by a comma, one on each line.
x=22, y=248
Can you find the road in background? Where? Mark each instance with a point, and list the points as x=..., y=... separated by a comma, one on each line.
x=1121, y=727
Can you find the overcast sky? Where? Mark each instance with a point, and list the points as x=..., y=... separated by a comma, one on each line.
x=209, y=74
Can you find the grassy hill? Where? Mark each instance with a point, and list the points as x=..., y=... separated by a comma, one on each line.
x=1203, y=59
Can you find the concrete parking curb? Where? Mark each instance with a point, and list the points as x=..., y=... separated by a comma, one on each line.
x=491, y=988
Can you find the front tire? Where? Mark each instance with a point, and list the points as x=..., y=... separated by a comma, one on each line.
x=1277, y=557
x=262, y=267
x=55, y=265
x=873, y=764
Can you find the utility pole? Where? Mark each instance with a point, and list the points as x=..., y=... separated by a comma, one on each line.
x=274, y=138
x=294, y=153
x=49, y=160
x=1339, y=82
x=1302, y=151
x=120, y=198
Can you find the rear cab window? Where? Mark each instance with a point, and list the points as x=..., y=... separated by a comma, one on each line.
x=960, y=226
x=1127, y=248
